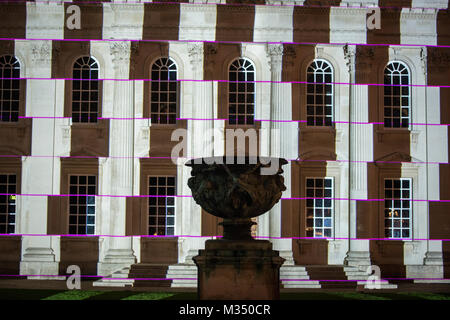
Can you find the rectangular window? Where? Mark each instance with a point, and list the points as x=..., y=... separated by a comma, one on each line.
x=397, y=208
x=319, y=207
x=161, y=205
x=7, y=203
x=82, y=189
x=85, y=101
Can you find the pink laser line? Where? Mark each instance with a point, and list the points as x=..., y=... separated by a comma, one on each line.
x=217, y=236
x=239, y=42
x=243, y=4
x=228, y=81
x=188, y=158
x=189, y=196
x=224, y=119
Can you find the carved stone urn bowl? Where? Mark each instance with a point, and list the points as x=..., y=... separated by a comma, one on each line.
x=236, y=189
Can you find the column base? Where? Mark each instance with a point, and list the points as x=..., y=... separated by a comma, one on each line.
x=424, y=272
x=433, y=258
x=358, y=259
x=39, y=264
x=238, y=269
x=116, y=259
x=190, y=256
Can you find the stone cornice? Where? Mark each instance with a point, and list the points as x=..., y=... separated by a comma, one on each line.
x=419, y=14
x=197, y=7
x=46, y=7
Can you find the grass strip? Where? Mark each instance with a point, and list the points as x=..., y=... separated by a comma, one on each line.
x=73, y=295
x=149, y=296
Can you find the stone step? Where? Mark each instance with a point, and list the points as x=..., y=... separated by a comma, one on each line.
x=182, y=271
x=357, y=277
x=184, y=284
x=294, y=276
x=301, y=284
x=382, y=285
x=432, y=281
x=117, y=279
x=113, y=283
x=149, y=275
x=292, y=268
x=355, y=273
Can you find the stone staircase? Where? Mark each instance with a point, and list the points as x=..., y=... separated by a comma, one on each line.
x=183, y=275
x=361, y=276
x=117, y=279
x=292, y=276
x=330, y=276
x=149, y=275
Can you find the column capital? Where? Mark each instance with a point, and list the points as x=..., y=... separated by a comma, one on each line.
x=41, y=52
x=195, y=52
x=275, y=54
x=120, y=52
x=350, y=55
x=423, y=59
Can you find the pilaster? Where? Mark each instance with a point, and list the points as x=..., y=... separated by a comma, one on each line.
x=358, y=254
x=38, y=170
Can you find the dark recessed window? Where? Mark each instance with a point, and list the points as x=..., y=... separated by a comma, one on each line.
x=397, y=96
x=397, y=208
x=82, y=190
x=85, y=90
x=7, y=203
x=164, y=92
x=161, y=205
x=319, y=94
x=241, y=92
x=9, y=88
x=319, y=207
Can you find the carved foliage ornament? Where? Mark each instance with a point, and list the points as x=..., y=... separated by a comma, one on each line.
x=41, y=53
x=120, y=51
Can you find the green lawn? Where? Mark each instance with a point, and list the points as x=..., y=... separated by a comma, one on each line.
x=29, y=294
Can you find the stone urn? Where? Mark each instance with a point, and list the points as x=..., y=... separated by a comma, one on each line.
x=237, y=189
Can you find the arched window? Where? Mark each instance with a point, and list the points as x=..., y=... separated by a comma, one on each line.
x=164, y=92
x=241, y=92
x=85, y=90
x=319, y=94
x=397, y=95
x=9, y=88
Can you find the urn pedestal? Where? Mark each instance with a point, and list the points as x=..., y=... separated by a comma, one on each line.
x=238, y=270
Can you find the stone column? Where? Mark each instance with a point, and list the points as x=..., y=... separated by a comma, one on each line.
x=39, y=253
x=281, y=133
x=359, y=149
x=119, y=253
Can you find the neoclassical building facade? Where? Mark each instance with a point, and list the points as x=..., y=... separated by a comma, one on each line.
x=90, y=117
